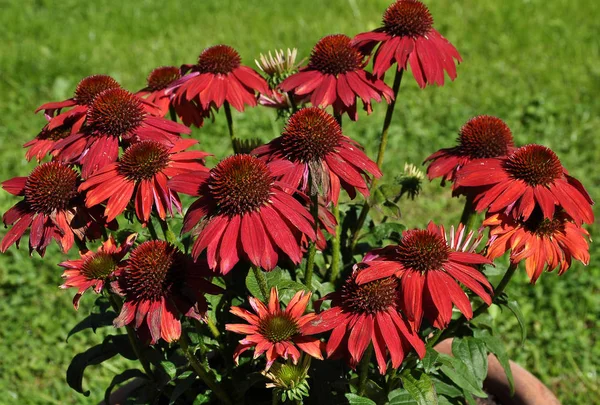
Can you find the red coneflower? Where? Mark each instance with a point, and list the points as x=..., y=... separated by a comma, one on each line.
x=244, y=212
x=335, y=76
x=95, y=269
x=428, y=266
x=530, y=176
x=275, y=332
x=114, y=115
x=143, y=172
x=51, y=207
x=43, y=144
x=408, y=37
x=363, y=314
x=159, y=284
x=219, y=76
x=156, y=93
x=482, y=137
x=87, y=89
x=315, y=145
x=541, y=242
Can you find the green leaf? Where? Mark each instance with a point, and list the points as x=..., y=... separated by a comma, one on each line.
x=291, y=285
x=496, y=346
x=201, y=399
x=400, y=397
x=181, y=387
x=447, y=390
x=430, y=360
x=514, y=307
x=460, y=375
x=354, y=399
x=273, y=278
x=169, y=368
x=121, y=378
x=420, y=387
x=93, y=321
x=473, y=353
x=92, y=356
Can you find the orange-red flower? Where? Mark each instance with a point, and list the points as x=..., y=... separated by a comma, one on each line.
x=482, y=137
x=315, y=145
x=43, y=144
x=367, y=313
x=408, y=37
x=95, y=269
x=219, y=76
x=532, y=176
x=335, y=76
x=160, y=284
x=429, y=264
x=51, y=207
x=114, y=116
x=275, y=332
x=541, y=242
x=244, y=212
x=142, y=173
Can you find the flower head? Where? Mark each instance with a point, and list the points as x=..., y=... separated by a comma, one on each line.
x=428, y=264
x=218, y=77
x=116, y=116
x=482, y=137
x=244, y=212
x=159, y=283
x=408, y=37
x=95, y=269
x=87, y=89
x=531, y=176
x=367, y=313
x=335, y=76
x=51, y=206
x=275, y=332
x=410, y=181
x=318, y=150
x=141, y=174
x=541, y=242
x=43, y=144
x=289, y=380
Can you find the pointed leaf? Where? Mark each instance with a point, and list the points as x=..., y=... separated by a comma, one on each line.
x=473, y=353
x=121, y=378
x=420, y=387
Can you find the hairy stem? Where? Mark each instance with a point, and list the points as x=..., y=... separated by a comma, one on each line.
x=201, y=370
x=364, y=371
x=312, y=248
x=336, y=246
x=468, y=214
x=262, y=282
x=227, y=109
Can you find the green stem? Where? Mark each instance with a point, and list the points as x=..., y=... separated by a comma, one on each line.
x=312, y=248
x=274, y=397
x=336, y=246
x=167, y=232
x=213, y=328
x=201, y=371
x=364, y=371
x=133, y=339
x=468, y=214
x=152, y=230
x=454, y=325
x=380, y=154
x=262, y=282
x=227, y=109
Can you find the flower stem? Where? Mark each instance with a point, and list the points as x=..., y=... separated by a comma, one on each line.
x=152, y=230
x=201, y=370
x=454, y=325
x=336, y=246
x=312, y=248
x=213, y=328
x=364, y=371
x=133, y=339
x=468, y=214
x=380, y=154
x=262, y=282
x=167, y=232
x=227, y=109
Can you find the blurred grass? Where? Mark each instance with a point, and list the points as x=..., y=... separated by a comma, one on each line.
x=534, y=63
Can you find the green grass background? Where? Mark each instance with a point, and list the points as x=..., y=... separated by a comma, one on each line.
x=534, y=63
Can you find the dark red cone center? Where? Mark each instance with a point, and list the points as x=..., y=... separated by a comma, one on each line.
x=310, y=135
x=152, y=269
x=91, y=86
x=407, y=18
x=485, y=137
x=50, y=187
x=162, y=76
x=536, y=165
x=116, y=112
x=333, y=55
x=143, y=160
x=422, y=250
x=545, y=227
x=240, y=184
x=219, y=59
x=370, y=298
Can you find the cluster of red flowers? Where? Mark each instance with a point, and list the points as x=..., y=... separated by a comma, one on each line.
x=113, y=152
